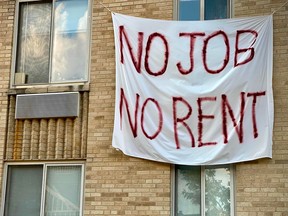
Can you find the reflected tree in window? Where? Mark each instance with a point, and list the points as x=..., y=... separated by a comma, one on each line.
x=217, y=190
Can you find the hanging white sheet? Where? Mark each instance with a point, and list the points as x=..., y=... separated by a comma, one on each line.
x=194, y=92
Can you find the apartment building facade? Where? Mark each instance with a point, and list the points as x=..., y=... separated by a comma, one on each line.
x=57, y=101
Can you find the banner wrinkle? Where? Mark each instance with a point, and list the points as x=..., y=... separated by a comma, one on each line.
x=194, y=92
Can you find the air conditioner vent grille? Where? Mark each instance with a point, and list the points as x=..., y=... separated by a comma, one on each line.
x=50, y=105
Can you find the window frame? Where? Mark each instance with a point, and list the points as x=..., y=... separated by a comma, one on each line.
x=202, y=9
x=232, y=167
x=44, y=178
x=52, y=30
x=202, y=206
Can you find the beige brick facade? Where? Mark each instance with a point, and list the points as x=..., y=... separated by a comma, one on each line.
x=6, y=35
x=261, y=186
x=116, y=184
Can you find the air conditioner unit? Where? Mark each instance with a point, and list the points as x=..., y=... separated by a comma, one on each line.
x=48, y=105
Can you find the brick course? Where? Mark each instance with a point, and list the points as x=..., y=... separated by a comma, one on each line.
x=6, y=35
x=261, y=186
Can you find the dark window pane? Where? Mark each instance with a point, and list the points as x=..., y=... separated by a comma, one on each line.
x=23, y=195
x=216, y=9
x=34, y=41
x=188, y=190
x=189, y=9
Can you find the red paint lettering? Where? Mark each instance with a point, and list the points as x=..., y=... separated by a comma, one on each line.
x=204, y=52
x=123, y=99
x=200, y=120
x=136, y=60
x=238, y=51
x=238, y=128
x=166, y=54
x=255, y=95
x=177, y=120
x=160, y=118
x=192, y=42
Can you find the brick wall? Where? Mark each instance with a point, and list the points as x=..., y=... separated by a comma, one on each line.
x=117, y=184
x=47, y=139
x=120, y=185
x=6, y=35
x=262, y=186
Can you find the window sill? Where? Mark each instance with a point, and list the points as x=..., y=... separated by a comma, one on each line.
x=81, y=87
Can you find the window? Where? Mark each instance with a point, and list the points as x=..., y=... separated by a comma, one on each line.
x=203, y=9
x=52, y=42
x=205, y=191
x=44, y=189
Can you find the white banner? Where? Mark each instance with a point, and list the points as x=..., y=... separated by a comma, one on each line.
x=194, y=92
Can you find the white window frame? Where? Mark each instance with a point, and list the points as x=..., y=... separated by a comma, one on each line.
x=15, y=46
x=43, y=193
x=202, y=9
x=202, y=206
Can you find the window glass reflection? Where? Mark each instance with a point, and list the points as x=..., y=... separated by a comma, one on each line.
x=215, y=9
x=188, y=190
x=23, y=195
x=63, y=191
x=217, y=191
x=189, y=9
x=70, y=45
x=34, y=41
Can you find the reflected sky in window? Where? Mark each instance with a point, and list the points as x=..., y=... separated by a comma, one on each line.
x=71, y=41
x=189, y=9
x=71, y=15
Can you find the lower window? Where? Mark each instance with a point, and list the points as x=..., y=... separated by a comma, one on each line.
x=44, y=189
x=203, y=191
